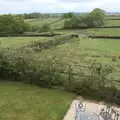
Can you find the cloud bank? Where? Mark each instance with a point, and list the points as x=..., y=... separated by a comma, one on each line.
x=53, y=6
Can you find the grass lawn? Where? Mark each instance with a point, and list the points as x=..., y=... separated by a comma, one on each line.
x=26, y=102
x=16, y=42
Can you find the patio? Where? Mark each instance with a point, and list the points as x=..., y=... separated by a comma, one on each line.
x=92, y=110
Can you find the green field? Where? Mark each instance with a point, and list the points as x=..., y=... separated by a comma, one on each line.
x=24, y=102
x=21, y=101
x=40, y=21
x=112, y=23
x=84, y=52
x=56, y=23
x=16, y=42
x=104, y=31
x=113, y=17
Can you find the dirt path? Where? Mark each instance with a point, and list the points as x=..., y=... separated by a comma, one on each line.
x=91, y=106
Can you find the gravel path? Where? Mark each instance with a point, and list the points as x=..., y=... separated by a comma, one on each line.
x=91, y=106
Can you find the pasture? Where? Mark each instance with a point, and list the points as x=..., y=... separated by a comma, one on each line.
x=29, y=102
x=55, y=23
x=112, y=23
x=85, y=52
x=104, y=31
x=16, y=42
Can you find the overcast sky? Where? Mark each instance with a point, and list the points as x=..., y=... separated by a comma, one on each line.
x=53, y=6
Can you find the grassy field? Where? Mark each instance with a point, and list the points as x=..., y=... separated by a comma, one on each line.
x=113, y=17
x=56, y=23
x=112, y=23
x=84, y=52
x=27, y=101
x=104, y=31
x=16, y=42
x=24, y=102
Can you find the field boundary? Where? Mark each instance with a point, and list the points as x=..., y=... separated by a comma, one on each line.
x=105, y=37
x=109, y=27
x=28, y=35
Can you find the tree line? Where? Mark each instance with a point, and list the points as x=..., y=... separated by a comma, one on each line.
x=15, y=24
x=93, y=19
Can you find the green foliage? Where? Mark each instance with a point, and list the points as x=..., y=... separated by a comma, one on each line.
x=16, y=66
x=75, y=22
x=11, y=24
x=97, y=17
x=39, y=46
x=68, y=15
x=32, y=15
x=93, y=19
x=35, y=15
x=43, y=28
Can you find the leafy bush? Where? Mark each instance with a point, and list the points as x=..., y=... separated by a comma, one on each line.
x=10, y=24
x=15, y=66
x=68, y=15
x=93, y=19
x=44, y=28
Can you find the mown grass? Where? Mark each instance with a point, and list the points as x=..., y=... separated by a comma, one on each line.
x=16, y=42
x=24, y=102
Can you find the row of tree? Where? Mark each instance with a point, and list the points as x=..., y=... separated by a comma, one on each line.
x=15, y=24
x=36, y=15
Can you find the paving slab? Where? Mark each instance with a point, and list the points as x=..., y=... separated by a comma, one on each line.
x=91, y=106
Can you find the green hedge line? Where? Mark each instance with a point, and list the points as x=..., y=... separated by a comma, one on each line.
x=14, y=66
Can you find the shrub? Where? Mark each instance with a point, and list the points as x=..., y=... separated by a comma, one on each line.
x=43, y=28
x=68, y=15
x=93, y=19
x=15, y=66
x=10, y=24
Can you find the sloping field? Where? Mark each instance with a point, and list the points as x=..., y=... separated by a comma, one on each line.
x=55, y=23
x=85, y=52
